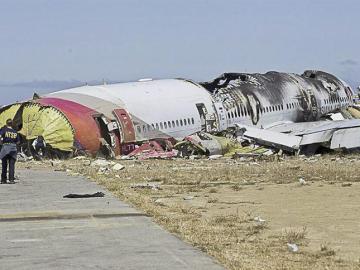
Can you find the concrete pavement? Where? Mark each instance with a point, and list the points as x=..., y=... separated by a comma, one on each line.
x=42, y=230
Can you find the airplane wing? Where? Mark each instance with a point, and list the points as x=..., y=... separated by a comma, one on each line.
x=342, y=134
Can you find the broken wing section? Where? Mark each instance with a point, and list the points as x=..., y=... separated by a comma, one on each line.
x=307, y=137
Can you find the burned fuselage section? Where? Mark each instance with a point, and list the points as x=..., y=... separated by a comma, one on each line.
x=263, y=99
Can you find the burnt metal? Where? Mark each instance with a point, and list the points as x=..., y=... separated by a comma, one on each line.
x=250, y=92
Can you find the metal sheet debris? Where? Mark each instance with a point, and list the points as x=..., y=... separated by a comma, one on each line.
x=271, y=138
x=346, y=138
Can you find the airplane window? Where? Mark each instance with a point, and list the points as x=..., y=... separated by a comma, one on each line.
x=173, y=124
x=161, y=125
x=282, y=106
x=192, y=121
x=138, y=129
x=188, y=121
x=232, y=114
x=169, y=124
x=153, y=126
x=177, y=123
x=157, y=126
x=181, y=123
x=165, y=125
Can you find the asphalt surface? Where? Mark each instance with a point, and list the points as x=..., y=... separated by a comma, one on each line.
x=39, y=229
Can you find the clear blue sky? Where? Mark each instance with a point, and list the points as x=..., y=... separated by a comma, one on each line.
x=198, y=39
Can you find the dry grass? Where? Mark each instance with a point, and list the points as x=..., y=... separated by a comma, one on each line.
x=294, y=235
x=234, y=239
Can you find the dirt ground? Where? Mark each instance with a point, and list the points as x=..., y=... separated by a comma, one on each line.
x=245, y=213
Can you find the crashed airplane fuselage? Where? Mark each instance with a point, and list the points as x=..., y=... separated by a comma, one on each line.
x=115, y=117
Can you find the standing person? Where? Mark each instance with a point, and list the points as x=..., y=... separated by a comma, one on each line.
x=8, y=153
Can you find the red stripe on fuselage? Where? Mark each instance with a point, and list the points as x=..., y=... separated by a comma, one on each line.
x=81, y=118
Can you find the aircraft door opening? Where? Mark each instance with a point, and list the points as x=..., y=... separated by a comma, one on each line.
x=107, y=140
x=221, y=116
x=202, y=112
x=126, y=129
x=208, y=121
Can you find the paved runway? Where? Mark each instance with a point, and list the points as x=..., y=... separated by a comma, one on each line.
x=39, y=229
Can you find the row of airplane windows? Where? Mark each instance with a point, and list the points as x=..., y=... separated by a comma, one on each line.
x=165, y=125
x=337, y=100
x=241, y=112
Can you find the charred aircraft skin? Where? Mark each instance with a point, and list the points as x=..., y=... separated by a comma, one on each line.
x=304, y=97
x=119, y=116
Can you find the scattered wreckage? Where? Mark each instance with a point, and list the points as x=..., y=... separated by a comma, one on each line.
x=179, y=117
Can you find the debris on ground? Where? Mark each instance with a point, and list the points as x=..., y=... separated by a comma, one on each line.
x=346, y=184
x=213, y=157
x=259, y=220
x=118, y=167
x=80, y=158
x=293, y=247
x=153, y=186
x=302, y=182
x=205, y=144
x=76, y=196
x=21, y=157
x=101, y=163
x=153, y=150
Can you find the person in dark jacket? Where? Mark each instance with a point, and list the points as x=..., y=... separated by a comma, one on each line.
x=39, y=148
x=8, y=154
